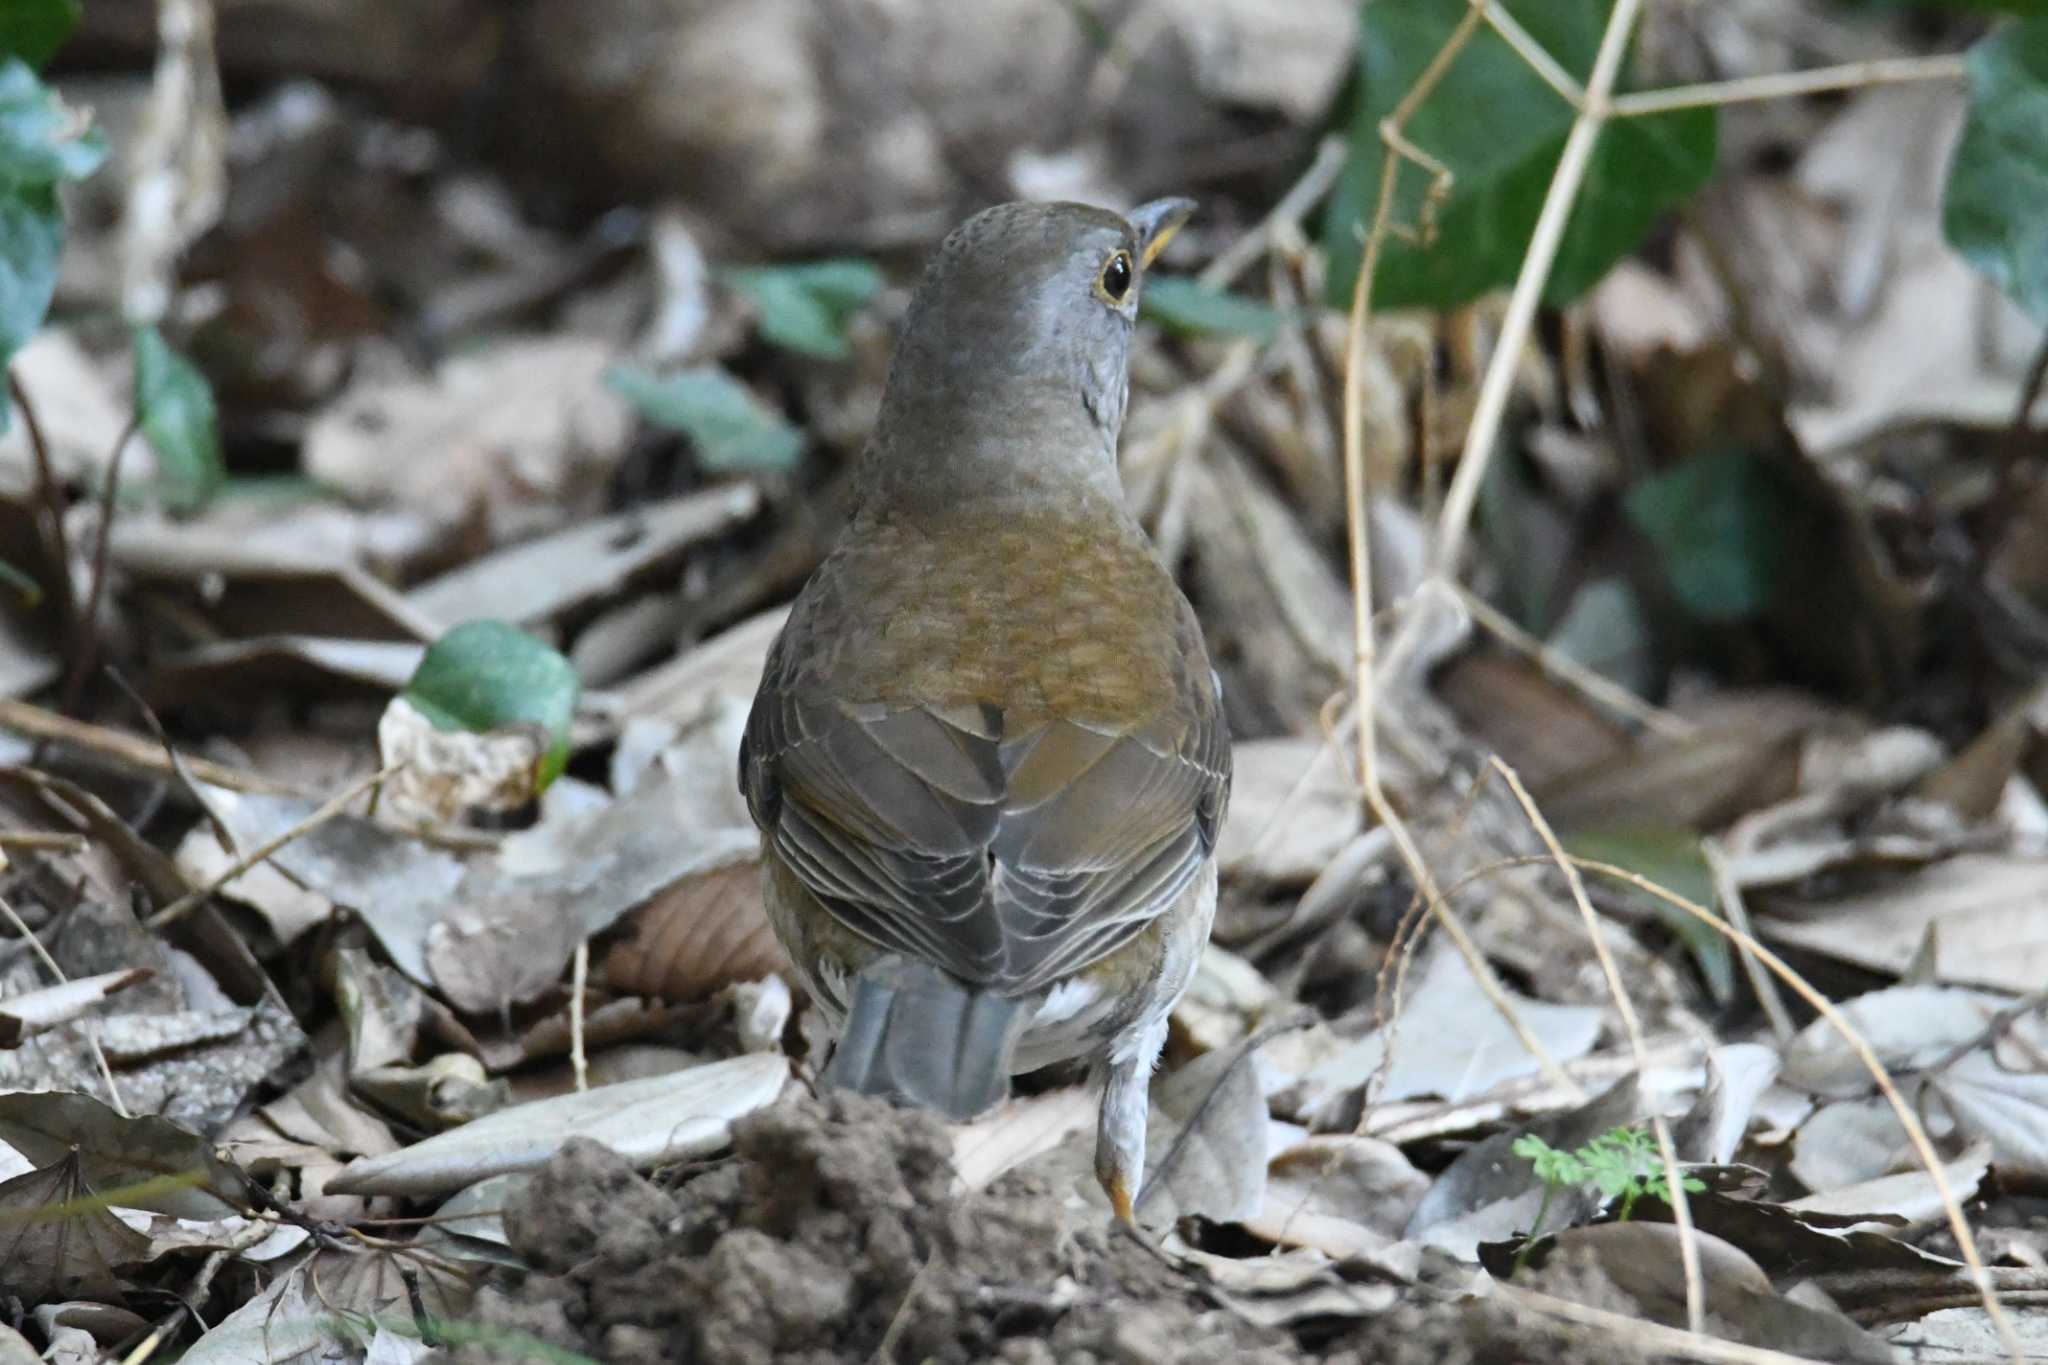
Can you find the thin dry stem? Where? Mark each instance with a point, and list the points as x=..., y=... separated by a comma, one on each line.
x=103, y=539
x=1521, y=312
x=1681, y=1207
x=132, y=750
x=1305, y=193
x=1915, y=1134
x=1591, y=684
x=1749, y=89
x=579, y=977
x=334, y=806
x=1534, y=55
x=1730, y=897
x=1654, y=1339
x=92, y=1037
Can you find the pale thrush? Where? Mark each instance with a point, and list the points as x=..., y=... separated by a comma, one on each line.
x=988, y=756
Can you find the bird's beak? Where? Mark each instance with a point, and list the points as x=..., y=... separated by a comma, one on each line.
x=1156, y=223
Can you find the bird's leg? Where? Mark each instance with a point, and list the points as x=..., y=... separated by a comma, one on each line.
x=1126, y=1102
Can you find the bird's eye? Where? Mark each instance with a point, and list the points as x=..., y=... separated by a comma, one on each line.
x=1115, y=280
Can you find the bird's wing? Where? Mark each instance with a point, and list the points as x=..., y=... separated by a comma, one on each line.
x=1010, y=859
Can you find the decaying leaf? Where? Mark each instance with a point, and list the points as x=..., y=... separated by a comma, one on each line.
x=21, y=1015
x=183, y=1175
x=517, y=431
x=57, y=1240
x=666, y=1118
x=702, y=933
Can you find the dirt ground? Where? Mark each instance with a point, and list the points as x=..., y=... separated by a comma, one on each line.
x=834, y=1234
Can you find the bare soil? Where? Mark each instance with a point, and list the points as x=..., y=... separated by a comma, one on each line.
x=834, y=1234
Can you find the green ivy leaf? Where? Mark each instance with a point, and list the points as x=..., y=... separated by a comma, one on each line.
x=1672, y=859
x=41, y=144
x=1500, y=129
x=33, y=30
x=42, y=140
x=1180, y=305
x=731, y=429
x=174, y=408
x=487, y=675
x=1996, y=209
x=1719, y=522
x=31, y=237
x=805, y=308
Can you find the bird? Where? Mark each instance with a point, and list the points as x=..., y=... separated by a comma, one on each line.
x=988, y=755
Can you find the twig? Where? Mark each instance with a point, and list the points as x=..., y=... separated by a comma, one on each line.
x=40, y=841
x=191, y=900
x=579, y=976
x=1355, y=511
x=49, y=500
x=1915, y=1134
x=1594, y=685
x=132, y=750
x=1681, y=1207
x=92, y=1037
x=1853, y=75
x=1315, y=182
x=1656, y=1340
x=88, y=616
x=1480, y=437
x=1534, y=55
x=1730, y=896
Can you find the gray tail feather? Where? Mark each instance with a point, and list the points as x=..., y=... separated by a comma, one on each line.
x=919, y=1036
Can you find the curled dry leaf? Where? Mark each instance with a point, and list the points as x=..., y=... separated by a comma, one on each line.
x=33, y=1011
x=702, y=933
x=442, y=773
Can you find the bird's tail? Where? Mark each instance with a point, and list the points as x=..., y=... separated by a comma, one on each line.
x=916, y=1035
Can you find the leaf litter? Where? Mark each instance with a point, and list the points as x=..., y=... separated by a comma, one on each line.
x=1760, y=597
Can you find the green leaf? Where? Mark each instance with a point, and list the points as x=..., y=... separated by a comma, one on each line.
x=31, y=237
x=1180, y=305
x=42, y=140
x=805, y=308
x=731, y=429
x=33, y=30
x=31, y=591
x=1718, y=520
x=1672, y=859
x=487, y=675
x=1996, y=209
x=1500, y=129
x=174, y=408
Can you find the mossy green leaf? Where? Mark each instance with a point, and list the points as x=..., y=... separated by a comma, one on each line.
x=487, y=675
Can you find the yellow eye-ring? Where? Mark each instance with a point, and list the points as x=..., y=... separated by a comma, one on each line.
x=1114, y=283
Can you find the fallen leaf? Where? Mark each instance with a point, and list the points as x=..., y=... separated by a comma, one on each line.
x=700, y=934
x=57, y=1239
x=21, y=1015
x=523, y=432
x=122, y=1153
x=537, y=580
x=1293, y=806
x=652, y=1122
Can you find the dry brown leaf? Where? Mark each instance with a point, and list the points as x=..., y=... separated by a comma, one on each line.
x=704, y=932
x=1985, y=907
x=32, y=1011
x=57, y=1242
x=521, y=432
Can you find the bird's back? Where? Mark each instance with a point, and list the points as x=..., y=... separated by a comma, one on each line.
x=1004, y=752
